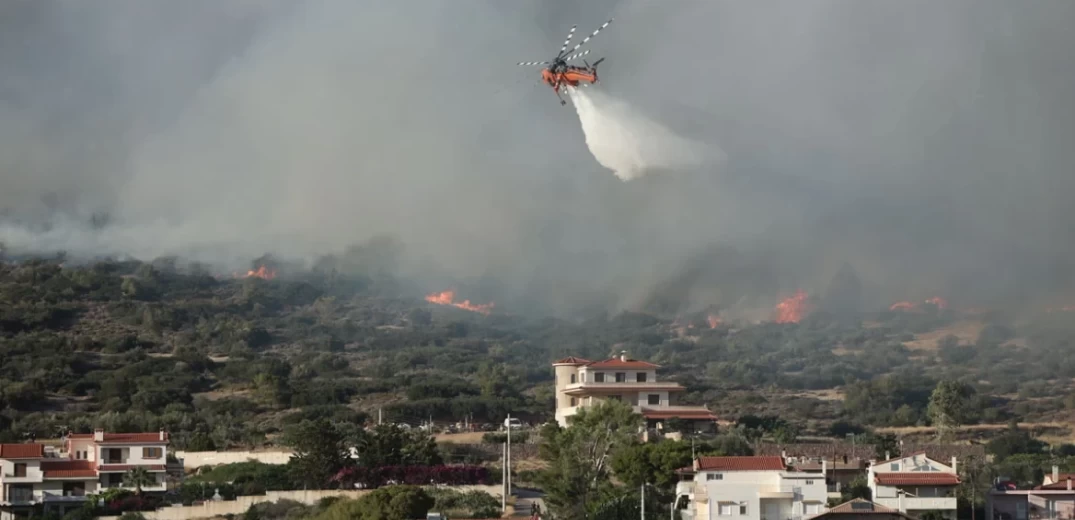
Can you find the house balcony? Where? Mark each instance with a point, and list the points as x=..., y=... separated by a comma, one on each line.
x=590, y=387
x=919, y=503
x=66, y=497
x=24, y=479
x=22, y=498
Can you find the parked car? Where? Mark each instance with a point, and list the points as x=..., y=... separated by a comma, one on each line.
x=514, y=423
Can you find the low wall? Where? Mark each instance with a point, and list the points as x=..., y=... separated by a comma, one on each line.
x=239, y=506
x=197, y=459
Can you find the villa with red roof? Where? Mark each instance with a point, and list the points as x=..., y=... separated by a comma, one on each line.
x=38, y=477
x=915, y=484
x=581, y=383
x=749, y=488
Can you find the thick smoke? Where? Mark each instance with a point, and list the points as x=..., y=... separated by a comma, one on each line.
x=628, y=143
x=926, y=144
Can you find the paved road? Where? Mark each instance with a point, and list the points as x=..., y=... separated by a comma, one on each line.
x=524, y=499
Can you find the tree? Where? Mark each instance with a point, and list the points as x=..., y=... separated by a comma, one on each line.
x=320, y=452
x=138, y=478
x=949, y=406
x=390, y=445
x=976, y=477
x=388, y=503
x=580, y=456
x=652, y=463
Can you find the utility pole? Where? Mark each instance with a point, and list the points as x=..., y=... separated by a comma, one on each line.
x=378, y=416
x=508, y=424
x=642, y=507
x=504, y=478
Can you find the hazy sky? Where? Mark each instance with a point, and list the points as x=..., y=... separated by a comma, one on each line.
x=926, y=143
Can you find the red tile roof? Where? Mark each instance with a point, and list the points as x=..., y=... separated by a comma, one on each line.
x=68, y=468
x=901, y=457
x=113, y=468
x=22, y=451
x=571, y=360
x=847, y=507
x=917, y=478
x=741, y=464
x=1058, y=485
x=620, y=363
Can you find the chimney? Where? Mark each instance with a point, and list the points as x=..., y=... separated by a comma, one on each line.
x=784, y=455
x=98, y=435
x=162, y=434
x=1056, y=474
x=955, y=467
x=824, y=467
x=695, y=462
x=1069, y=482
x=623, y=355
x=887, y=457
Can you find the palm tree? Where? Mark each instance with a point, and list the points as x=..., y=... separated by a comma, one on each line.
x=138, y=478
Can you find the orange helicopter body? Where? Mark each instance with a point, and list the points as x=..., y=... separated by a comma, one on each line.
x=559, y=74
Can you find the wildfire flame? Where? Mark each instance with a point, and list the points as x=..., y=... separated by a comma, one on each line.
x=448, y=298
x=262, y=272
x=713, y=320
x=793, y=308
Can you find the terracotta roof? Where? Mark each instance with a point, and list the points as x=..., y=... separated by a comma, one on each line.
x=616, y=362
x=942, y=453
x=917, y=478
x=124, y=438
x=846, y=507
x=68, y=468
x=919, y=453
x=113, y=468
x=571, y=360
x=1061, y=484
x=22, y=451
x=699, y=414
x=741, y=464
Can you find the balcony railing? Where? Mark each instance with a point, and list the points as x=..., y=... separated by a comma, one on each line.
x=67, y=496
x=20, y=497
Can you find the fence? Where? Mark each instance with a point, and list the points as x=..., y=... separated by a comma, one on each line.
x=211, y=509
x=197, y=459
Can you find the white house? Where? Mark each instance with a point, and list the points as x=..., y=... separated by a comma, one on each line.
x=35, y=477
x=750, y=488
x=914, y=484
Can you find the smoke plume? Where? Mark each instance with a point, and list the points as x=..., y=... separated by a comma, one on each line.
x=925, y=144
x=628, y=143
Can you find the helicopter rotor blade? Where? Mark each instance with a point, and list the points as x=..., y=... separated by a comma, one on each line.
x=579, y=55
x=586, y=39
x=526, y=63
x=567, y=41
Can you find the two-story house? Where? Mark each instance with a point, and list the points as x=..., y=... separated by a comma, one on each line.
x=749, y=488
x=581, y=383
x=915, y=484
x=35, y=477
x=1053, y=500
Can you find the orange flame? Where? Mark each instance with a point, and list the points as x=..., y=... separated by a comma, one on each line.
x=448, y=298
x=793, y=308
x=262, y=272
x=903, y=306
x=713, y=320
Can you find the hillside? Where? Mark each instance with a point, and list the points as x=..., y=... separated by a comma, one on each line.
x=230, y=361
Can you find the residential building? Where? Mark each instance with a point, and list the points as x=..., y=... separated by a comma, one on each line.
x=38, y=477
x=749, y=488
x=859, y=509
x=1053, y=500
x=839, y=473
x=915, y=484
x=581, y=383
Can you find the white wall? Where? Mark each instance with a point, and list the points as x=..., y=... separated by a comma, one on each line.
x=197, y=459
x=586, y=375
x=745, y=486
x=133, y=454
x=33, y=471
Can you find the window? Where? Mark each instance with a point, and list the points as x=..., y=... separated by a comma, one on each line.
x=714, y=476
x=654, y=399
x=895, y=466
x=1020, y=510
x=809, y=482
x=621, y=377
x=20, y=469
x=726, y=509
x=599, y=377
x=152, y=453
x=574, y=402
x=572, y=378
x=743, y=509
x=640, y=377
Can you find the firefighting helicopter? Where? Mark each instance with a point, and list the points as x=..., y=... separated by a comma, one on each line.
x=558, y=73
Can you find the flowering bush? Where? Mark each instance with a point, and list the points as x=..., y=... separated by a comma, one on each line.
x=413, y=475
